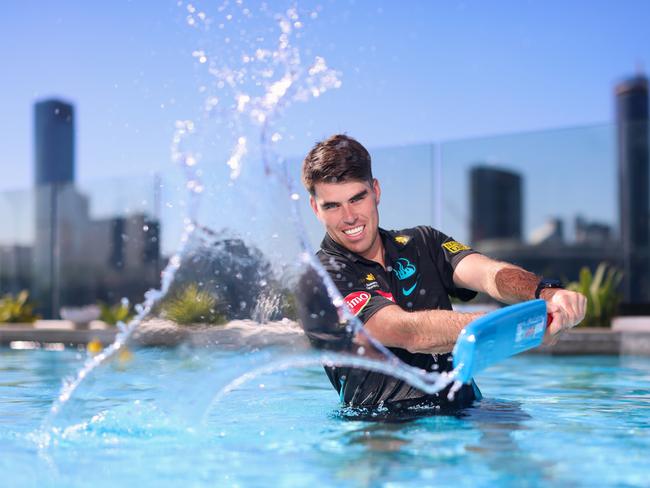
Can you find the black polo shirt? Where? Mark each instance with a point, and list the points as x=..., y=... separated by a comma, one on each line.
x=420, y=263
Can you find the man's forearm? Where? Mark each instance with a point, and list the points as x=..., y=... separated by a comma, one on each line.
x=513, y=284
x=427, y=331
x=504, y=282
x=440, y=331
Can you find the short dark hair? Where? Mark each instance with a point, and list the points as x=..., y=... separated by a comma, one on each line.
x=338, y=158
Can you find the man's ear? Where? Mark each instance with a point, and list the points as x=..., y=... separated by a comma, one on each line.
x=376, y=189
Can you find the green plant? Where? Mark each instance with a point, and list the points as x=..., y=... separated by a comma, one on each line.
x=191, y=306
x=17, y=309
x=289, y=304
x=601, y=290
x=112, y=314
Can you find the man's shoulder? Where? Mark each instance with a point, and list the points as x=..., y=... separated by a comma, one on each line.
x=332, y=261
x=419, y=234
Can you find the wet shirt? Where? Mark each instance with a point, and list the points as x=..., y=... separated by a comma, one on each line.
x=420, y=263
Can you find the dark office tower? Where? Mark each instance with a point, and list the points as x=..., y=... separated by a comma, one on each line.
x=633, y=181
x=56, y=198
x=496, y=204
x=53, y=142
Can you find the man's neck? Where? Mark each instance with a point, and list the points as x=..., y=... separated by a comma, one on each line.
x=376, y=252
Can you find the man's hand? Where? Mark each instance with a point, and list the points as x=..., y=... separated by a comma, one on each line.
x=567, y=309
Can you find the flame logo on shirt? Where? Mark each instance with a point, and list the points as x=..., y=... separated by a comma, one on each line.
x=403, y=269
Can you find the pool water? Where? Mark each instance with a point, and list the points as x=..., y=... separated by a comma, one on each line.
x=544, y=421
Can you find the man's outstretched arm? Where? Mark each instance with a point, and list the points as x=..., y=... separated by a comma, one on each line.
x=426, y=331
x=508, y=283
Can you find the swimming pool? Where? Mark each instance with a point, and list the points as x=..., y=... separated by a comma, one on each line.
x=545, y=421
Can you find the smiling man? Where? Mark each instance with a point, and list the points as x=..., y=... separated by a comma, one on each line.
x=399, y=283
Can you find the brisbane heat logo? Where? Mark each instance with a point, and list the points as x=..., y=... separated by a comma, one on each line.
x=357, y=301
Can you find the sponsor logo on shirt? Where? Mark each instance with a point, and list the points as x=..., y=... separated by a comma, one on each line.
x=454, y=246
x=369, y=281
x=403, y=269
x=402, y=239
x=386, y=295
x=407, y=291
x=357, y=300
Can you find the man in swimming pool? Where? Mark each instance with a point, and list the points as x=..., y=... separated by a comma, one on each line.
x=399, y=283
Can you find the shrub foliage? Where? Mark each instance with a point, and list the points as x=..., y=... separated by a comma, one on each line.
x=601, y=290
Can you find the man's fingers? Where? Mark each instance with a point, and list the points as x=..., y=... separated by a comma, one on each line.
x=573, y=304
x=558, y=318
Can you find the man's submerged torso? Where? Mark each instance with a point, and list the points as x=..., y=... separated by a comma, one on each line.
x=418, y=276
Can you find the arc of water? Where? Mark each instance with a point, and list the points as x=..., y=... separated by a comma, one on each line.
x=425, y=382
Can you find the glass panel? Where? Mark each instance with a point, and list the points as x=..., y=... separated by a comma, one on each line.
x=545, y=200
x=16, y=240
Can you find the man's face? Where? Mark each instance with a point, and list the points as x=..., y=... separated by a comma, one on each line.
x=349, y=213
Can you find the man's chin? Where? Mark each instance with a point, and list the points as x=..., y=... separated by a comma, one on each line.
x=358, y=247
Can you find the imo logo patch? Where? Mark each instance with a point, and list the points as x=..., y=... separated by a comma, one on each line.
x=357, y=300
x=403, y=269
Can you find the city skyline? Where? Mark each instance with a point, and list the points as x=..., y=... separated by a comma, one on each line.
x=410, y=74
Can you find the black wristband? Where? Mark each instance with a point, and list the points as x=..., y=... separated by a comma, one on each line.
x=547, y=283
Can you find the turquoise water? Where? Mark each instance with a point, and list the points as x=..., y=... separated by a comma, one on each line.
x=545, y=421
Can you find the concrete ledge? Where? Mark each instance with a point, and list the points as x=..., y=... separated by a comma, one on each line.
x=585, y=341
x=631, y=324
x=28, y=333
x=245, y=333
x=238, y=334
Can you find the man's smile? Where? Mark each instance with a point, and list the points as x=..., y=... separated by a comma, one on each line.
x=355, y=231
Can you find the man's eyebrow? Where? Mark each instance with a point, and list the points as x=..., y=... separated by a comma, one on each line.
x=361, y=194
x=356, y=196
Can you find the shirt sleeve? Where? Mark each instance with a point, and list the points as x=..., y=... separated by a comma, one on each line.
x=446, y=252
x=362, y=302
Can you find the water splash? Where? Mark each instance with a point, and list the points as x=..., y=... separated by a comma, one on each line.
x=417, y=378
x=252, y=80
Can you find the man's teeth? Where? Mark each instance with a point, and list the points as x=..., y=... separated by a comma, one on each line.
x=356, y=230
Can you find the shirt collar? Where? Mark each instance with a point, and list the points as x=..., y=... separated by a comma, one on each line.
x=330, y=246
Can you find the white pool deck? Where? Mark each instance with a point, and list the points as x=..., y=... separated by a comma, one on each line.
x=627, y=336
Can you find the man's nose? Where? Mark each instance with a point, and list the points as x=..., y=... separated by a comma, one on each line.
x=348, y=216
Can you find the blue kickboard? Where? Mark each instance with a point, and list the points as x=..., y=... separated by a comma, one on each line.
x=499, y=335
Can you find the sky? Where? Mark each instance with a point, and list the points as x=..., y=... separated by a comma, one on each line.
x=411, y=72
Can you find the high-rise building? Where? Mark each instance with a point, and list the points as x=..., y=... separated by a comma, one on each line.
x=53, y=142
x=496, y=203
x=634, y=180
x=78, y=259
x=54, y=179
